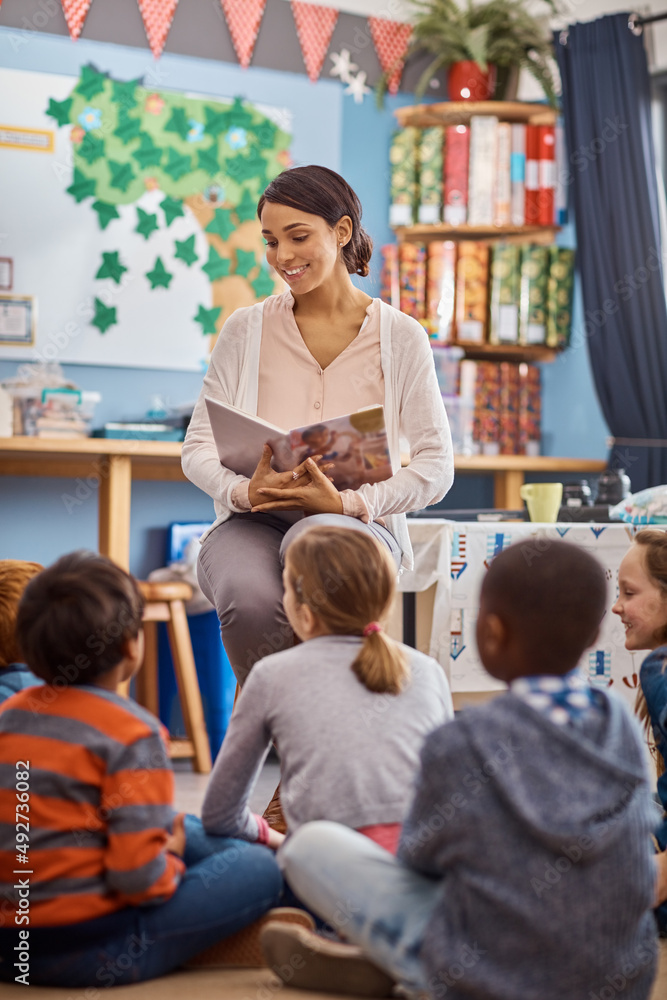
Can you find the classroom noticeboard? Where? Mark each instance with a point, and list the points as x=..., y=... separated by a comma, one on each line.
x=132, y=218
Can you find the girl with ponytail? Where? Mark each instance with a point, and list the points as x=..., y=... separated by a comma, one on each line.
x=348, y=708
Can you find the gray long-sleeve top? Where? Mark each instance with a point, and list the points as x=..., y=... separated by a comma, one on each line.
x=347, y=754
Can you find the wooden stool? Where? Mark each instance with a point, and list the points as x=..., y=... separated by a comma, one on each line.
x=165, y=603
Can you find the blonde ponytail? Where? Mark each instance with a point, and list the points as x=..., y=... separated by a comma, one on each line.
x=348, y=580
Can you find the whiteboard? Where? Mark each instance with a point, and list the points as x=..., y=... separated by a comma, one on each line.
x=57, y=247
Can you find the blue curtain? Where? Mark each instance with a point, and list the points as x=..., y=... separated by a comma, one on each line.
x=613, y=188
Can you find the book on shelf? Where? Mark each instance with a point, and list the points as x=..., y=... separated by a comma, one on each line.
x=503, y=180
x=472, y=277
x=530, y=410
x=546, y=182
x=482, y=168
x=518, y=175
x=560, y=197
x=355, y=443
x=429, y=211
x=508, y=409
x=440, y=290
x=486, y=422
x=455, y=179
x=534, y=278
x=559, y=296
x=532, y=181
x=505, y=294
x=412, y=277
x=506, y=401
x=403, y=176
x=390, y=283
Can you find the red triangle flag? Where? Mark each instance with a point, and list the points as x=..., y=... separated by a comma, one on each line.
x=314, y=26
x=157, y=16
x=75, y=14
x=391, y=39
x=243, y=20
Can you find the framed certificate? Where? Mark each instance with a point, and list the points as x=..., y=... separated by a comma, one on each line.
x=17, y=320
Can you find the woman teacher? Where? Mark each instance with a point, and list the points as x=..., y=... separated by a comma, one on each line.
x=320, y=350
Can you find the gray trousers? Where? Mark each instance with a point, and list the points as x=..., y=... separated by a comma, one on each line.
x=240, y=571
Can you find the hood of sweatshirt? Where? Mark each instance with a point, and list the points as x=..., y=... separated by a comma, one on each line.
x=563, y=781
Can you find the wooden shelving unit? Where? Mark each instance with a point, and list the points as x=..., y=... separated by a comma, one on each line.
x=460, y=113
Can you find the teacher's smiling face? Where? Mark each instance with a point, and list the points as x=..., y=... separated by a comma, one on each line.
x=302, y=248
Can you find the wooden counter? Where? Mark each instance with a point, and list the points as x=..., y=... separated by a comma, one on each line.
x=110, y=466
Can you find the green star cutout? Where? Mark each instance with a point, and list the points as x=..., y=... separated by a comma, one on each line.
x=59, y=110
x=247, y=207
x=207, y=159
x=221, y=224
x=216, y=266
x=178, y=123
x=216, y=121
x=111, y=267
x=123, y=92
x=105, y=316
x=91, y=82
x=177, y=164
x=250, y=167
x=207, y=318
x=81, y=186
x=265, y=134
x=147, y=223
x=127, y=128
x=121, y=175
x=148, y=154
x=159, y=277
x=105, y=213
x=172, y=209
x=91, y=148
x=185, y=250
x=237, y=115
x=245, y=261
x=263, y=284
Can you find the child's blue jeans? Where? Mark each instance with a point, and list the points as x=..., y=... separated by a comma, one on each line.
x=365, y=894
x=228, y=884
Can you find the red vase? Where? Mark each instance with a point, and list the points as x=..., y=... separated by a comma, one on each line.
x=466, y=81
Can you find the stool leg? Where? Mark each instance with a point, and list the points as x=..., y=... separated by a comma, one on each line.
x=188, y=685
x=146, y=681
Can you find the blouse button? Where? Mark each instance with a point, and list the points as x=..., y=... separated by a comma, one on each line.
x=317, y=406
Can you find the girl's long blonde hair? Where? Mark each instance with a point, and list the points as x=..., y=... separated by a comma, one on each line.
x=348, y=580
x=654, y=545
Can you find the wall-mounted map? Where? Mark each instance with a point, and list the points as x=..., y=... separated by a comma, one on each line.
x=129, y=213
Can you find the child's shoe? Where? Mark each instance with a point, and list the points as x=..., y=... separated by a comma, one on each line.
x=307, y=961
x=243, y=950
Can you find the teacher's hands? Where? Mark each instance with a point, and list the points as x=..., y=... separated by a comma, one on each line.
x=266, y=477
x=318, y=495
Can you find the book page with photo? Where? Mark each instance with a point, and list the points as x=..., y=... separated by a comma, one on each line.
x=356, y=444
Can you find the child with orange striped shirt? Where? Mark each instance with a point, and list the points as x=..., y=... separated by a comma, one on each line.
x=108, y=891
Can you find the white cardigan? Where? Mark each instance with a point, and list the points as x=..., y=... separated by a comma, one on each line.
x=413, y=410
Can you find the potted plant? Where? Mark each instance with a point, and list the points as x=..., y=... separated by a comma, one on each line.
x=498, y=33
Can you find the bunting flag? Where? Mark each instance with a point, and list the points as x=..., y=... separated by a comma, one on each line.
x=157, y=16
x=75, y=14
x=314, y=26
x=391, y=39
x=243, y=20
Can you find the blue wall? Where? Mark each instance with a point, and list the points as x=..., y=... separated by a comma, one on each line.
x=328, y=128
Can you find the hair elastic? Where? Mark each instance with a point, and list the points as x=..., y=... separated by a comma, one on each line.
x=371, y=628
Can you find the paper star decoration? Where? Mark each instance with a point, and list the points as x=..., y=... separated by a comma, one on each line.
x=247, y=207
x=221, y=224
x=357, y=87
x=263, y=284
x=60, y=110
x=172, y=208
x=81, y=186
x=342, y=66
x=91, y=148
x=111, y=267
x=148, y=154
x=245, y=261
x=121, y=175
x=216, y=266
x=147, y=223
x=177, y=164
x=105, y=213
x=91, y=82
x=159, y=277
x=105, y=316
x=207, y=318
x=185, y=250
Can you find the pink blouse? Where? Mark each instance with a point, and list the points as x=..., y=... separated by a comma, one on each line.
x=294, y=390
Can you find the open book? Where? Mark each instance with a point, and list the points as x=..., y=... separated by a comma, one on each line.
x=356, y=444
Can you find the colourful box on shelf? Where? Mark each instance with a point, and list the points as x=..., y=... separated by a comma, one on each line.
x=472, y=276
x=140, y=432
x=440, y=290
x=403, y=182
x=389, y=277
x=503, y=180
x=505, y=294
x=412, y=271
x=508, y=422
x=530, y=409
x=559, y=296
x=518, y=175
x=487, y=407
x=430, y=176
x=455, y=174
x=534, y=278
x=481, y=187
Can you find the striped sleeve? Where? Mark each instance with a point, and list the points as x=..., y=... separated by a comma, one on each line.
x=137, y=796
